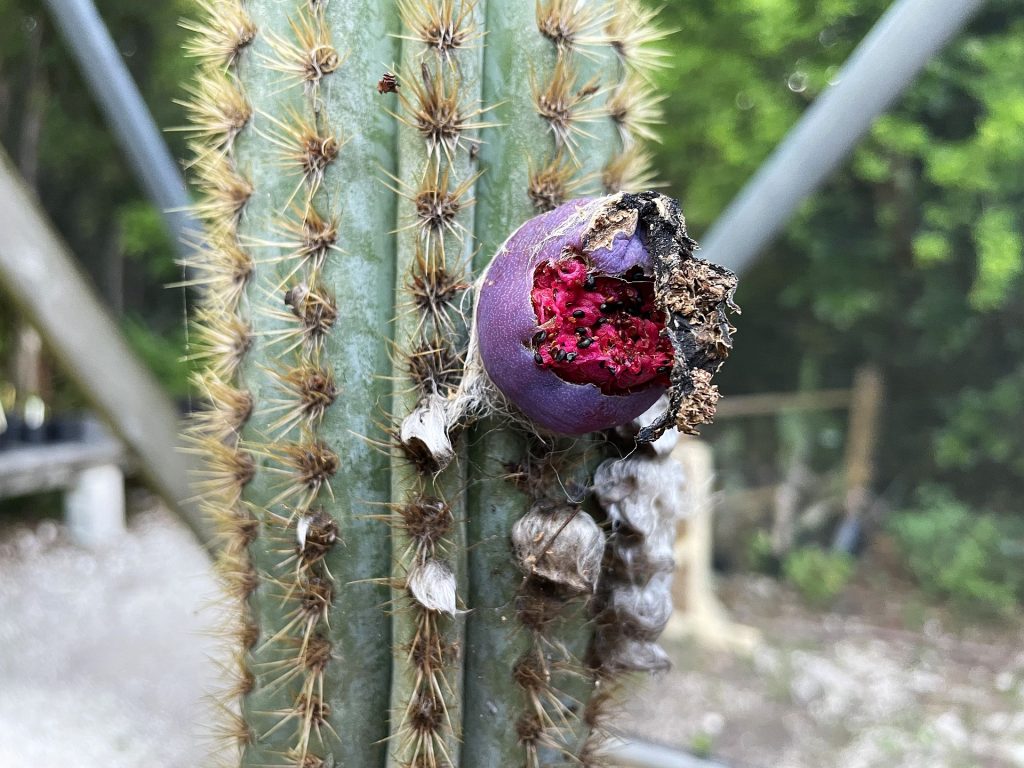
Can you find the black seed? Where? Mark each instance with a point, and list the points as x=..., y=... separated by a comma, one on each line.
x=538, y=359
x=581, y=331
x=578, y=313
x=539, y=336
x=605, y=307
x=584, y=343
x=590, y=283
x=560, y=355
x=570, y=357
x=663, y=369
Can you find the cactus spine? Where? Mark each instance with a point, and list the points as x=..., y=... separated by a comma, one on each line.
x=378, y=615
x=440, y=118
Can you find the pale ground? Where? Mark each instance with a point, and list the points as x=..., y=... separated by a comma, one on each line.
x=104, y=664
x=103, y=660
x=850, y=688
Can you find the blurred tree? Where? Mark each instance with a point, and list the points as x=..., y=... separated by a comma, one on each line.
x=911, y=257
x=51, y=127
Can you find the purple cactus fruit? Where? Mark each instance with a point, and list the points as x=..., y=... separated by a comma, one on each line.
x=572, y=313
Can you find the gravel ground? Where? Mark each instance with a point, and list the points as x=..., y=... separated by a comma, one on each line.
x=853, y=688
x=105, y=659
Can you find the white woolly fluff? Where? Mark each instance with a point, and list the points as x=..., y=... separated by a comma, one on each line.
x=425, y=430
x=664, y=445
x=643, y=496
x=563, y=545
x=644, y=493
x=432, y=585
x=301, y=529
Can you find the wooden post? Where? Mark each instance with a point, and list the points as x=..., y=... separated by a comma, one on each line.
x=862, y=435
x=37, y=271
x=698, y=613
x=94, y=506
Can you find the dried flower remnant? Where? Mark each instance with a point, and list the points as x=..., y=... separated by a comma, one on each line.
x=388, y=83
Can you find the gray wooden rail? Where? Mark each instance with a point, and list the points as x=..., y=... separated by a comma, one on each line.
x=39, y=274
x=90, y=471
x=39, y=468
x=638, y=754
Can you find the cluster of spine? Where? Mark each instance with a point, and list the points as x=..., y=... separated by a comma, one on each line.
x=569, y=96
x=559, y=548
x=279, y=485
x=633, y=103
x=575, y=122
x=556, y=543
x=222, y=271
x=295, y=314
x=600, y=108
x=633, y=107
x=437, y=90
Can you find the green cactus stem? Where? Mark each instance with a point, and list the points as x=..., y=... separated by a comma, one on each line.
x=357, y=163
x=440, y=118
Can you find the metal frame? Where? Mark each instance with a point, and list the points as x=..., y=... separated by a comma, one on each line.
x=118, y=97
x=882, y=67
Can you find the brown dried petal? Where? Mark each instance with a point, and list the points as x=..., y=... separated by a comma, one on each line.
x=424, y=434
x=695, y=295
x=662, y=445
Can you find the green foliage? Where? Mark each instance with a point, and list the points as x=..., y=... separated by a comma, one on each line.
x=819, y=575
x=161, y=353
x=52, y=129
x=760, y=553
x=911, y=257
x=144, y=239
x=968, y=440
x=974, y=560
x=702, y=745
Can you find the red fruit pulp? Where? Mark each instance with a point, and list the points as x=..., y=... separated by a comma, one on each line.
x=600, y=329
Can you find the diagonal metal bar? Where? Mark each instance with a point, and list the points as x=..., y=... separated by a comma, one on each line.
x=38, y=273
x=113, y=88
x=883, y=66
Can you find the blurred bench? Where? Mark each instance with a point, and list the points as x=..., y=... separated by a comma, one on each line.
x=90, y=471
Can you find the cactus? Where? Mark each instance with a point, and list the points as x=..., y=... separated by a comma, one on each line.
x=410, y=576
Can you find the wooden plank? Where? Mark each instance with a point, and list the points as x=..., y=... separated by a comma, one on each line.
x=865, y=414
x=39, y=274
x=38, y=468
x=861, y=443
x=735, y=406
x=638, y=754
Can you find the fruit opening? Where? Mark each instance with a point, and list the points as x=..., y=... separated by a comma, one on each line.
x=596, y=328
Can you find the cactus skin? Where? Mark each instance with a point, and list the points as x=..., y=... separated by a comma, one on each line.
x=346, y=213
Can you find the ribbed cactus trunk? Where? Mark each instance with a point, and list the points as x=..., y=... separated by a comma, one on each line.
x=359, y=162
